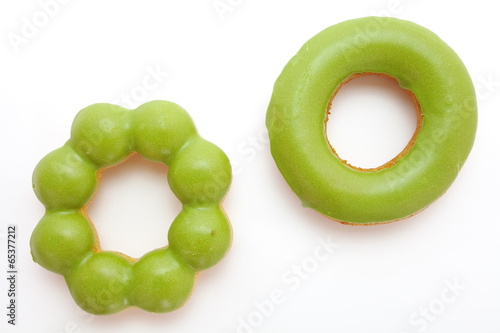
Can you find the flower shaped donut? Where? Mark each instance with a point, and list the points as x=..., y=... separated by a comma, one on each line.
x=65, y=241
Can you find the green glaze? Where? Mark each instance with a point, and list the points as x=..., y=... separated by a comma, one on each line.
x=158, y=135
x=65, y=242
x=100, y=283
x=61, y=240
x=205, y=180
x=101, y=132
x=199, y=236
x=64, y=180
x=154, y=271
x=423, y=64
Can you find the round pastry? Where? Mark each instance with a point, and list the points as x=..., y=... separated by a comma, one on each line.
x=65, y=241
x=446, y=109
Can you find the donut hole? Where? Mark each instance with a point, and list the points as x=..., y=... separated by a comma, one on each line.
x=372, y=121
x=134, y=207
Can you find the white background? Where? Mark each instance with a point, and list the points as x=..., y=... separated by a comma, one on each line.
x=221, y=68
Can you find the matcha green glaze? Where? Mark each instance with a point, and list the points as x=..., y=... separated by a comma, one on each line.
x=65, y=242
x=59, y=234
x=154, y=271
x=64, y=179
x=423, y=64
x=198, y=236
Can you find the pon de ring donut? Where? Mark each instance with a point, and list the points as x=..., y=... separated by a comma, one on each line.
x=446, y=108
x=65, y=241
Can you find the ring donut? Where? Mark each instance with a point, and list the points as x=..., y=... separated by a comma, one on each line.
x=422, y=64
x=65, y=241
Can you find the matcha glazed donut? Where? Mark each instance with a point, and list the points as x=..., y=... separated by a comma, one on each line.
x=423, y=65
x=65, y=241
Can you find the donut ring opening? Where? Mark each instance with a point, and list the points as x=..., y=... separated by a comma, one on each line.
x=409, y=145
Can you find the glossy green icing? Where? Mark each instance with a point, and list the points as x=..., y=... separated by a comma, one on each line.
x=198, y=236
x=64, y=241
x=61, y=240
x=64, y=179
x=152, y=273
x=423, y=64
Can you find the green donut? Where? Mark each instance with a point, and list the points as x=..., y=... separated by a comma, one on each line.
x=65, y=240
x=425, y=66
